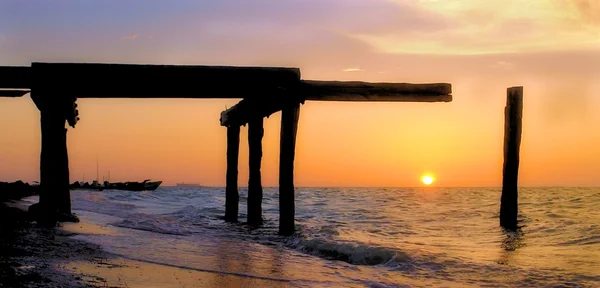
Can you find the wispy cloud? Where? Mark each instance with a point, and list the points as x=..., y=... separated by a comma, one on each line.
x=130, y=37
x=503, y=65
x=489, y=27
x=587, y=10
x=352, y=70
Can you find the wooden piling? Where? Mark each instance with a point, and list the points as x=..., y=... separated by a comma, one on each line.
x=54, y=162
x=55, y=196
x=289, y=128
x=255, y=192
x=232, y=196
x=513, y=114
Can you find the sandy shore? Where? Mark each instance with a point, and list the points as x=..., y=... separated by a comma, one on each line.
x=34, y=256
x=29, y=252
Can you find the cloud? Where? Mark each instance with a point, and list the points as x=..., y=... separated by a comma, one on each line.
x=467, y=27
x=352, y=70
x=320, y=36
x=503, y=65
x=588, y=11
x=130, y=37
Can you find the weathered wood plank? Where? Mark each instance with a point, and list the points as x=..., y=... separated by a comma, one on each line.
x=365, y=91
x=94, y=80
x=98, y=80
x=12, y=93
x=15, y=77
x=246, y=109
x=513, y=113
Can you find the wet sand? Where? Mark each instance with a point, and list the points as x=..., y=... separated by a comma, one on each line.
x=30, y=252
x=35, y=256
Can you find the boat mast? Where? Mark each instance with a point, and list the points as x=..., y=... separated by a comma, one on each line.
x=97, y=170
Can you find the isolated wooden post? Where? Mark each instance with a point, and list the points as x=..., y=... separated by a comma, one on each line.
x=289, y=128
x=232, y=196
x=255, y=192
x=513, y=114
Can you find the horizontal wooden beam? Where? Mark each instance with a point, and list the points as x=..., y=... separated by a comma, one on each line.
x=93, y=80
x=364, y=91
x=245, y=110
x=15, y=77
x=12, y=92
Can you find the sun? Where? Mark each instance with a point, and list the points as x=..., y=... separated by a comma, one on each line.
x=427, y=179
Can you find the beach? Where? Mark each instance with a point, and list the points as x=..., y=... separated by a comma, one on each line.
x=36, y=256
x=32, y=255
x=175, y=237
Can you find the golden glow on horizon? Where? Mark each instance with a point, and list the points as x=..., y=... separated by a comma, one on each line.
x=427, y=179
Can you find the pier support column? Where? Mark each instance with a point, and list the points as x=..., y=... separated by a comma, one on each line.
x=513, y=113
x=232, y=197
x=289, y=128
x=55, y=196
x=255, y=190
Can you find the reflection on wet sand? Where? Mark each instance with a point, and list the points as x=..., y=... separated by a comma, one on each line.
x=129, y=273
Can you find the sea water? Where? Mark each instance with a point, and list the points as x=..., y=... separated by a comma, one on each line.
x=360, y=237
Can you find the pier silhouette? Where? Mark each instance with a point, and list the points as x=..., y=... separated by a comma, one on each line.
x=55, y=87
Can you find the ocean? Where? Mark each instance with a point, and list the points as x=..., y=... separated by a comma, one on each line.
x=359, y=237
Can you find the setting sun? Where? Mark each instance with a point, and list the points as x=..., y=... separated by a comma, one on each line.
x=427, y=179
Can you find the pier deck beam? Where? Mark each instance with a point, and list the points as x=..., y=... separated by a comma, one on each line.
x=289, y=129
x=255, y=190
x=513, y=113
x=232, y=197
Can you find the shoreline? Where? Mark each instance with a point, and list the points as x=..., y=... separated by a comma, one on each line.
x=32, y=254
x=37, y=256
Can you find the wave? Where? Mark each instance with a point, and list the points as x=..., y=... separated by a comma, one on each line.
x=98, y=204
x=590, y=240
x=154, y=224
x=353, y=253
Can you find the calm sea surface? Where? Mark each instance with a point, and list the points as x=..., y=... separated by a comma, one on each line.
x=361, y=237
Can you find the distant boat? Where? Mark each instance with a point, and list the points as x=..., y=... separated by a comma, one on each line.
x=146, y=185
x=187, y=185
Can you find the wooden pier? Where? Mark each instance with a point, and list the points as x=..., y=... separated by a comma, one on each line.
x=263, y=90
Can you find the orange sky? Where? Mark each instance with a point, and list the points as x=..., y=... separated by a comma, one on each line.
x=482, y=47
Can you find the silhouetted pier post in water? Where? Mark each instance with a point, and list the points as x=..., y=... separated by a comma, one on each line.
x=513, y=113
x=255, y=190
x=232, y=196
x=289, y=129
